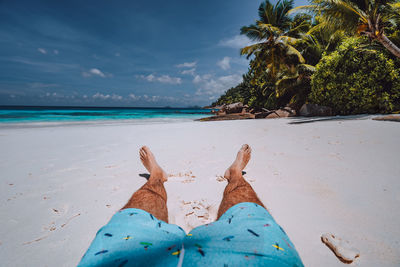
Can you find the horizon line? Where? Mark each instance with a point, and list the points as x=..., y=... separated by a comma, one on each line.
x=116, y=107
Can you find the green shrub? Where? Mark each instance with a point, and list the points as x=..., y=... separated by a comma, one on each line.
x=355, y=80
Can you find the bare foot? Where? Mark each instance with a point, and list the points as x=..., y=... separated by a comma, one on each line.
x=150, y=163
x=242, y=158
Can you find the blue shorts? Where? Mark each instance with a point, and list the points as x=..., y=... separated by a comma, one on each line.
x=245, y=235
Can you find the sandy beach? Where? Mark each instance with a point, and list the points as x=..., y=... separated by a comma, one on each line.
x=60, y=184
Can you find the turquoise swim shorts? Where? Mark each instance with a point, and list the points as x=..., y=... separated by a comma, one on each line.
x=245, y=235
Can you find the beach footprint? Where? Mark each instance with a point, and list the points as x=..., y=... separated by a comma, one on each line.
x=183, y=177
x=198, y=212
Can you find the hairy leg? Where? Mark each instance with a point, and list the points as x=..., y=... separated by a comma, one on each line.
x=238, y=189
x=152, y=196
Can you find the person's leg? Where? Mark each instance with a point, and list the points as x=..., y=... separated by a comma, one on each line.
x=138, y=235
x=238, y=189
x=245, y=233
x=152, y=196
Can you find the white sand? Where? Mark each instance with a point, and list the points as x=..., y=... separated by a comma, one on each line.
x=341, y=177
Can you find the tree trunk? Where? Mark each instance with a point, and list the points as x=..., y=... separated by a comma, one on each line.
x=389, y=45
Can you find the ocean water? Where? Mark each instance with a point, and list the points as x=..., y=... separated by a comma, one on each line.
x=59, y=115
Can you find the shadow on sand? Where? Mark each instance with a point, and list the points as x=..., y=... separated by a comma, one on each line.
x=301, y=120
x=145, y=175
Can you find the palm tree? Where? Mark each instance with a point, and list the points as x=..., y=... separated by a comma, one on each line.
x=358, y=17
x=278, y=67
x=275, y=38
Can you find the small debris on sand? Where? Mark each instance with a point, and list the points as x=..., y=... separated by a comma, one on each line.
x=36, y=240
x=341, y=248
x=220, y=178
x=388, y=118
x=188, y=176
x=76, y=215
x=110, y=166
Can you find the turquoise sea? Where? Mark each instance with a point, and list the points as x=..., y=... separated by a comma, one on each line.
x=23, y=114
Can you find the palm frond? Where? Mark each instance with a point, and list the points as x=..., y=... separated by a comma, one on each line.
x=288, y=39
x=306, y=67
x=310, y=8
x=293, y=51
x=303, y=26
x=271, y=29
x=251, y=49
x=253, y=32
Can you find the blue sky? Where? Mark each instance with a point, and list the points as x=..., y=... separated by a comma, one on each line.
x=122, y=52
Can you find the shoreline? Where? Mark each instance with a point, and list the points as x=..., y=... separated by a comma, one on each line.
x=109, y=122
x=167, y=120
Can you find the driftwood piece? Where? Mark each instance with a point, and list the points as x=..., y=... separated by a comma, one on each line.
x=388, y=118
x=340, y=248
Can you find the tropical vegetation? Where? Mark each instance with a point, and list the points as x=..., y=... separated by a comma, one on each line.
x=340, y=53
x=354, y=80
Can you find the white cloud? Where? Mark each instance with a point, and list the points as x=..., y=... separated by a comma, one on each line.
x=224, y=63
x=189, y=71
x=107, y=96
x=162, y=79
x=95, y=72
x=116, y=97
x=149, y=78
x=153, y=98
x=187, y=65
x=134, y=97
x=197, y=79
x=216, y=86
x=168, y=79
x=201, y=78
x=42, y=50
x=101, y=96
x=55, y=52
x=157, y=98
x=54, y=95
x=117, y=54
x=237, y=41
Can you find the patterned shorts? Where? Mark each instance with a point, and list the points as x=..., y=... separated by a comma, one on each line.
x=245, y=235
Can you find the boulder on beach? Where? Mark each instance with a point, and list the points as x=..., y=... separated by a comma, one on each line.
x=233, y=108
x=311, y=110
x=261, y=115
